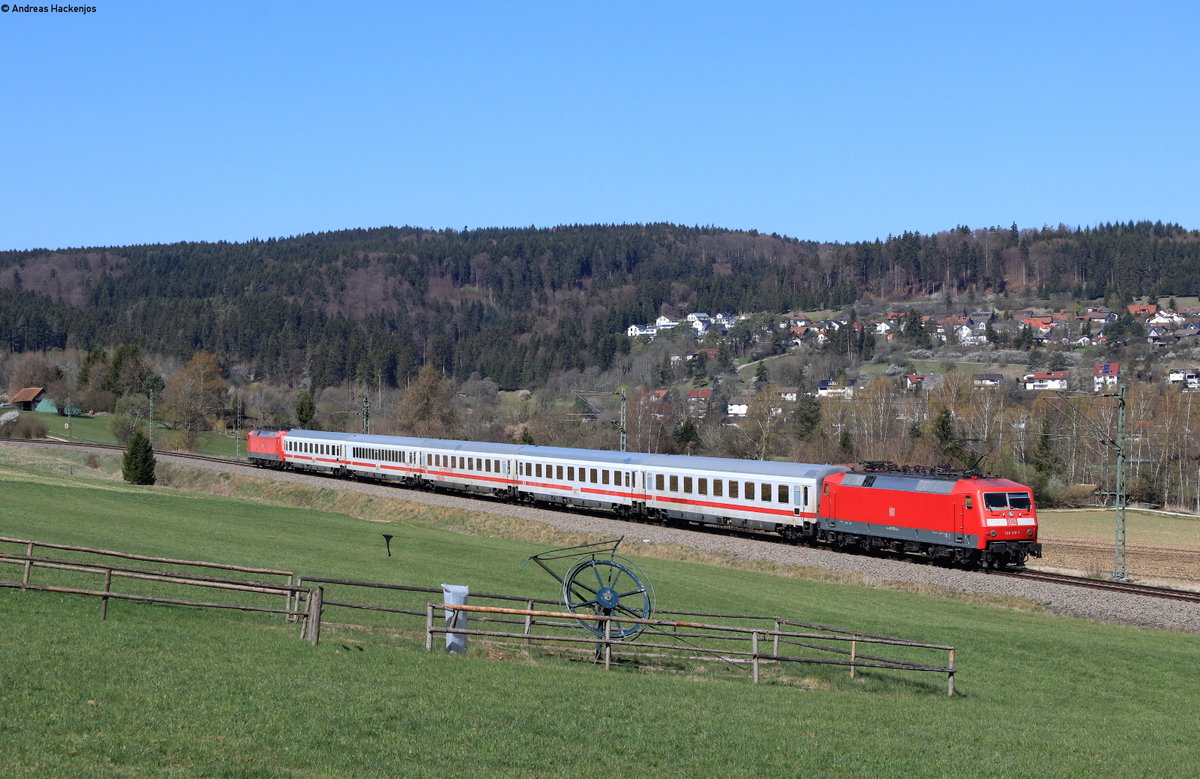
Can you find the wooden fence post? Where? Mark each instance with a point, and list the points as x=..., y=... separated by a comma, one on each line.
x=754, y=651
x=315, y=597
x=775, y=640
x=853, y=653
x=428, y=627
x=528, y=622
x=950, y=675
x=107, y=589
x=292, y=597
x=608, y=643
x=28, y=565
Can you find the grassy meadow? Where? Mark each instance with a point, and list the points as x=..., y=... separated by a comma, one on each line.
x=168, y=690
x=98, y=430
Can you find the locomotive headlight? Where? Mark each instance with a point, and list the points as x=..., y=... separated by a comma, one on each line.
x=1010, y=513
x=992, y=534
x=1029, y=532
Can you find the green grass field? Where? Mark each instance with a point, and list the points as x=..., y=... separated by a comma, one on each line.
x=98, y=430
x=167, y=690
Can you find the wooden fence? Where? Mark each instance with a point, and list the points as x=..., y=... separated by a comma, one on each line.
x=115, y=574
x=765, y=645
x=760, y=640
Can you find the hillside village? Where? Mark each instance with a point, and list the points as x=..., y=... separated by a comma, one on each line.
x=1094, y=329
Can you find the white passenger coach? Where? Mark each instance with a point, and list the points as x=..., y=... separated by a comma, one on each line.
x=775, y=496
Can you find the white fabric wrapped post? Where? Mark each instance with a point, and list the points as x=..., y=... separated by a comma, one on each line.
x=455, y=595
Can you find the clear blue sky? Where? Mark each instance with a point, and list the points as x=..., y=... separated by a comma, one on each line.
x=163, y=121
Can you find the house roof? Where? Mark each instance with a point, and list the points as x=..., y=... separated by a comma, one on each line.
x=1107, y=369
x=1047, y=375
x=27, y=394
x=699, y=394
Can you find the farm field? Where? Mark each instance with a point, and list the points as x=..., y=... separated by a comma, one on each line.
x=1160, y=547
x=173, y=690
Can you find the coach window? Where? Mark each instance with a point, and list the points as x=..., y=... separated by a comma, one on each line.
x=558, y=474
x=783, y=491
x=570, y=473
x=687, y=484
x=718, y=487
x=766, y=492
x=658, y=482
x=628, y=479
x=750, y=495
x=967, y=503
x=674, y=483
x=594, y=479
x=537, y=470
x=604, y=475
x=702, y=484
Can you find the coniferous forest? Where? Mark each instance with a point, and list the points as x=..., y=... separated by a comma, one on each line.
x=517, y=305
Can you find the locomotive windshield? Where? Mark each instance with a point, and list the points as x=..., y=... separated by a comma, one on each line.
x=999, y=501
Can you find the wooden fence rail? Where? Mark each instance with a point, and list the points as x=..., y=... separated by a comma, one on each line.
x=708, y=631
x=289, y=592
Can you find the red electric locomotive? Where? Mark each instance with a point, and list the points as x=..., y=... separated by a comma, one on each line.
x=957, y=516
x=265, y=447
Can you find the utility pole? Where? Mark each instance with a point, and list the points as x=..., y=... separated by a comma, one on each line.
x=619, y=425
x=366, y=413
x=1120, y=570
x=237, y=420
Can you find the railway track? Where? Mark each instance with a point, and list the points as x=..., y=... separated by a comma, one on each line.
x=1129, y=588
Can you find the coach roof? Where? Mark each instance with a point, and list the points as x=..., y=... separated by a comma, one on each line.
x=759, y=468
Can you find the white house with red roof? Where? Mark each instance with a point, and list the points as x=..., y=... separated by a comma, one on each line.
x=1105, y=374
x=1047, y=380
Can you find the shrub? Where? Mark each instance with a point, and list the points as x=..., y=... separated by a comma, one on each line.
x=29, y=427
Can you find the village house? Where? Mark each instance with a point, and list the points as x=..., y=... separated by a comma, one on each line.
x=697, y=402
x=832, y=388
x=988, y=380
x=1159, y=336
x=1105, y=374
x=738, y=406
x=1189, y=378
x=1047, y=380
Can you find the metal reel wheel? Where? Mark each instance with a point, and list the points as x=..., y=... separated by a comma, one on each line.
x=608, y=586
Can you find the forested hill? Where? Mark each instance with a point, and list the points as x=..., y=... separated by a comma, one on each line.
x=517, y=304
